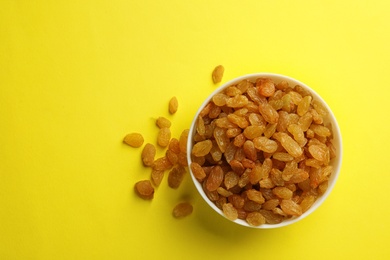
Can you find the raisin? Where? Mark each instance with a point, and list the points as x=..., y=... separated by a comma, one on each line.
x=144, y=189
x=291, y=208
x=270, y=217
x=221, y=138
x=253, y=131
x=264, y=144
x=173, y=105
x=231, y=179
x=282, y=192
x=174, y=146
x=291, y=146
x=220, y=99
x=269, y=113
x=198, y=171
x=218, y=73
x=175, y=177
x=237, y=101
x=183, y=141
x=202, y=148
x=215, y=178
x=255, y=195
x=255, y=218
x=265, y=86
x=164, y=136
x=304, y=105
x=134, y=140
x=162, y=122
x=162, y=164
x=182, y=210
x=157, y=176
x=307, y=202
x=148, y=154
x=230, y=211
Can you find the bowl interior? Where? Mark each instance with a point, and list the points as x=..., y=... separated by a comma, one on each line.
x=336, y=162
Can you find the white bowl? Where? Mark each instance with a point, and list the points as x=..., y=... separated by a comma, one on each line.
x=335, y=162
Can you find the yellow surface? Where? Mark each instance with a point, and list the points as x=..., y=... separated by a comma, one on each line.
x=76, y=76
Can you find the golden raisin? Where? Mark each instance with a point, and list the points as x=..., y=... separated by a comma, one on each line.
x=162, y=122
x=148, y=154
x=144, y=189
x=182, y=210
x=173, y=105
x=198, y=171
x=134, y=140
x=255, y=218
x=164, y=136
x=230, y=211
x=218, y=73
x=175, y=177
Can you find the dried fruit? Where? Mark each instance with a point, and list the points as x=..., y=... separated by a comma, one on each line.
x=265, y=86
x=172, y=157
x=175, y=177
x=230, y=211
x=233, y=132
x=253, y=131
x=237, y=166
x=291, y=146
x=250, y=150
x=298, y=134
x=220, y=99
x=291, y=208
x=148, y=154
x=223, y=192
x=270, y=204
x=320, y=130
x=164, y=136
x=144, y=189
x=238, y=120
x=283, y=157
x=255, y=195
x=231, y=179
x=134, y=140
x=221, y=138
x=318, y=152
x=173, y=105
x=182, y=210
x=198, y=171
x=282, y=192
x=215, y=178
x=307, y=202
x=183, y=141
x=264, y=144
x=218, y=73
x=174, y=146
x=202, y=148
x=304, y=105
x=162, y=122
x=237, y=101
x=255, y=218
x=232, y=91
x=237, y=201
x=157, y=176
x=269, y=113
x=162, y=164
x=270, y=217
x=200, y=128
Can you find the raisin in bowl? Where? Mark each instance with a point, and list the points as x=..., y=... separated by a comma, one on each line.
x=264, y=150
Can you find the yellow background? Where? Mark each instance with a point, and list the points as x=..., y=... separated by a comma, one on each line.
x=76, y=76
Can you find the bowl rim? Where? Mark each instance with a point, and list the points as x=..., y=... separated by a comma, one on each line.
x=337, y=142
